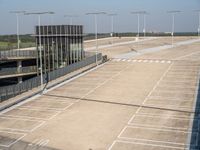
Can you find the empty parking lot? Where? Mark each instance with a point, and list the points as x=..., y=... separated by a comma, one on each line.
x=145, y=102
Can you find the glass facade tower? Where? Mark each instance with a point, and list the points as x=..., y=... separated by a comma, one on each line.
x=61, y=45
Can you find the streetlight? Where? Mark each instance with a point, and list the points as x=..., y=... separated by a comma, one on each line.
x=173, y=23
x=144, y=29
x=70, y=18
x=198, y=11
x=112, y=25
x=40, y=41
x=17, y=16
x=96, y=28
x=138, y=15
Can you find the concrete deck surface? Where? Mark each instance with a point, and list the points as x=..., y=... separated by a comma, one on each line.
x=141, y=103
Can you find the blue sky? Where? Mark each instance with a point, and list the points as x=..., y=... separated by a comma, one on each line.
x=158, y=20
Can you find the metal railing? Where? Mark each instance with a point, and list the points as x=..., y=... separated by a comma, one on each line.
x=15, y=70
x=13, y=90
x=18, y=53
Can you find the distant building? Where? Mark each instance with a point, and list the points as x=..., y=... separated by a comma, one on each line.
x=17, y=65
x=61, y=45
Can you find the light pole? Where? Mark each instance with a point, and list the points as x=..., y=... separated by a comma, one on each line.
x=40, y=41
x=17, y=16
x=198, y=30
x=138, y=13
x=96, y=28
x=144, y=29
x=70, y=18
x=112, y=25
x=173, y=23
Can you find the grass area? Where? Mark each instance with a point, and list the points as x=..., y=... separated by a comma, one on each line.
x=10, y=46
x=8, y=42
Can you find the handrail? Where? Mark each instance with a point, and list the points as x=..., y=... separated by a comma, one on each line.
x=15, y=70
x=7, y=92
x=17, y=53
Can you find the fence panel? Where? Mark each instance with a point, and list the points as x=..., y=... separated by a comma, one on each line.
x=17, y=53
x=13, y=90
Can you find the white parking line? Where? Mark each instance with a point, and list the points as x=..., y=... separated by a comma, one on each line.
x=50, y=100
x=180, y=78
x=176, y=116
x=38, y=95
x=150, y=93
x=40, y=123
x=159, y=116
x=154, y=129
x=181, y=117
x=145, y=144
x=171, y=106
x=36, y=109
x=145, y=61
x=150, y=61
x=48, y=108
x=172, y=98
x=175, y=92
x=163, y=61
x=36, y=118
x=39, y=143
x=178, y=58
x=162, y=126
x=178, y=82
x=155, y=86
x=184, y=70
x=113, y=76
x=177, y=86
x=16, y=140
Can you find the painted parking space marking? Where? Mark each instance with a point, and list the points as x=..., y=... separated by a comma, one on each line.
x=167, y=103
x=49, y=99
x=145, y=61
x=157, y=61
x=175, y=98
x=26, y=128
x=45, y=106
x=142, y=61
x=155, y=135
x=31, y=113
x=164, y=113
x=176, y=92
x=159, y=122
x=48, y=108
x=133, y=145
x=146, y=98
x=7, y=139
x=38, y=143
x=19, y=124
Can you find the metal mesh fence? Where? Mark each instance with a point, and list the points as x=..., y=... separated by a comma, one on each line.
x=15, y=70
x=14, y=90
x=17, y=53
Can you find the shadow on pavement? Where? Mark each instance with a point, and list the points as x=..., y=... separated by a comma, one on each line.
x=195, y=141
